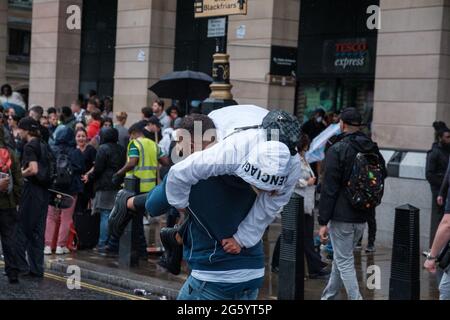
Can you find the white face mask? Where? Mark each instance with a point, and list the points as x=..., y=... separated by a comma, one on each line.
x=319, y=119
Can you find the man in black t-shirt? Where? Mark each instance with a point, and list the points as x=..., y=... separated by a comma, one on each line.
x=33, y=204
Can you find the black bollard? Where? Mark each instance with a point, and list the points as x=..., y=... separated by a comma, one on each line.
x=128, y=249
x=129, y=241
x=405, y=269
x=291, y=279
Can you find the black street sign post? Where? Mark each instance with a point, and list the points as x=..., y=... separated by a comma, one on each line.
x=221, y=95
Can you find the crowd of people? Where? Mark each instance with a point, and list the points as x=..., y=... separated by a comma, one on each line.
x=63, y=172
x=62, y=167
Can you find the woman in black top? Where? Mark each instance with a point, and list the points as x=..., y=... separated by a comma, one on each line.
x=89, y=154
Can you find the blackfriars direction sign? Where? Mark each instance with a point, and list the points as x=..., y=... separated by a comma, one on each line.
x=216, y=8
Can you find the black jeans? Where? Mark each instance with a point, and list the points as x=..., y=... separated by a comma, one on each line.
x=8, y=229
x=372, y=226
x=315, y=264
x=31, y=229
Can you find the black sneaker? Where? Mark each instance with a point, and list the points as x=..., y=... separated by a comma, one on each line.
x=106, y=251
x=322, y=274
x=173, y=251
x=31, y=275
x=120, y=215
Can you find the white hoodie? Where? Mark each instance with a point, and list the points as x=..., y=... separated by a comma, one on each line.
x=224, y=158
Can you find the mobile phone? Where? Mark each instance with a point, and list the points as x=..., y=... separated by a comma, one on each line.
x=4, y=175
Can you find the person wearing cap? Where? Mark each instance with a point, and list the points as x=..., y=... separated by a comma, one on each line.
x=340, y=222
x=143, y=157
x=33, y=203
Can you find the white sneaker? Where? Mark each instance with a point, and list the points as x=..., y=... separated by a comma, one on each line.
x=59, y=251
x=47, y=250
x=66, y=250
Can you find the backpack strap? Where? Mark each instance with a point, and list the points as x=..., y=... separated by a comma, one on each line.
x=237, y=130
x=348, y=167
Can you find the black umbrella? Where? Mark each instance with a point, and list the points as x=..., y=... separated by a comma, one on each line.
x=183, y=85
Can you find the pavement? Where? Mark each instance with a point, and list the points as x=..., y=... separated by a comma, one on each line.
x=103, y=279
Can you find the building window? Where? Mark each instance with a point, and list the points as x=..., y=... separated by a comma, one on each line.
x=25, y=4
x=19, y=42
x=98, y=46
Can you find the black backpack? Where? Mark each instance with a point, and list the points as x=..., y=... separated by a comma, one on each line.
x=63, y=172
x=365, y=185
x=46, y=166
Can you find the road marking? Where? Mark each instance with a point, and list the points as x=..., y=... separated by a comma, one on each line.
x=92, y=287
x=97, y=288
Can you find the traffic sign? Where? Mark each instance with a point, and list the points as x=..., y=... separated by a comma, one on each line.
x=217, y=8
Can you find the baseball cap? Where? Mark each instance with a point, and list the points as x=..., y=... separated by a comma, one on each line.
x=267, y=166
x=28, y=124
x=352, y=117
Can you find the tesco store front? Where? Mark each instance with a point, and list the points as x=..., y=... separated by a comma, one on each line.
x=336, y=57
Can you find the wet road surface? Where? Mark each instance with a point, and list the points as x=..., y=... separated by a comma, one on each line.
x=54, y=287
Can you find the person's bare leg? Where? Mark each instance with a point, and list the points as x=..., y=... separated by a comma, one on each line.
x=130, y=204
x=179, y=239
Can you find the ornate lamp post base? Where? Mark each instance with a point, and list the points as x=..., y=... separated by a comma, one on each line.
x=221, y=88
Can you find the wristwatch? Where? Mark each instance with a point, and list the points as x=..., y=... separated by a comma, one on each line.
x=430, y=257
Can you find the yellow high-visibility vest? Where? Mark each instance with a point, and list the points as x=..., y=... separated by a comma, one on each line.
x=147, y=168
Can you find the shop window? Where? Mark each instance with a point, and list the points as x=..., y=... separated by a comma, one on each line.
x=313, y=95
x=19, y=42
